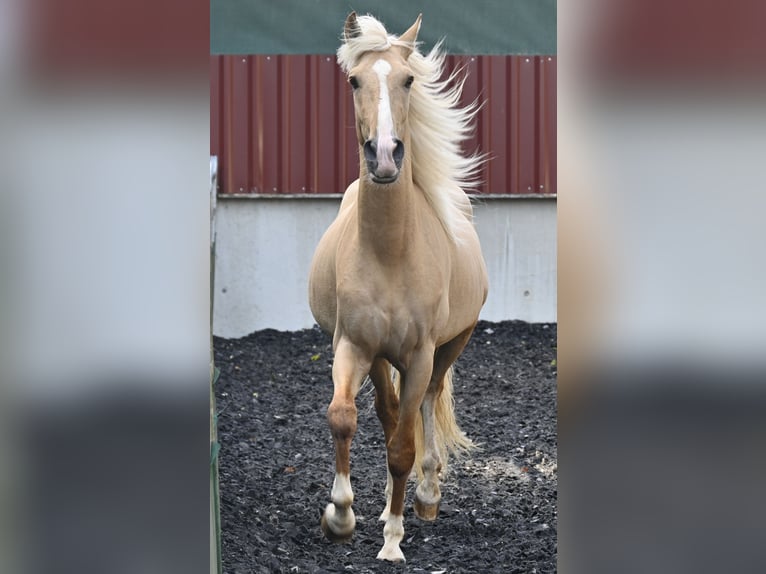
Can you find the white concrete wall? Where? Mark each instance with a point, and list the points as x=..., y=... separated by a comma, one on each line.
x=518, y=238
x=264, y=248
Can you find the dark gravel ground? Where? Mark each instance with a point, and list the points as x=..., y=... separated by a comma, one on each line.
x=498, y=510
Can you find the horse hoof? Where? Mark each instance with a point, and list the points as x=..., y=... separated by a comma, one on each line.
x=427, y=512
x=391, y=553
x=340, y=535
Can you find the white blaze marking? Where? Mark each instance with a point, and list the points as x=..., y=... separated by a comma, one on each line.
x=385, y=123
x=385, y=142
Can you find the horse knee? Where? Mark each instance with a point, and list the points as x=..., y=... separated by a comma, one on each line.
x=342, y=419
x=401, y=457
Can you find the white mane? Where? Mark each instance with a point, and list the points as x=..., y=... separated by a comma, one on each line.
x=437, y=125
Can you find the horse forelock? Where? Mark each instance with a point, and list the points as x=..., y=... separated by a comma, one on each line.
x=373, y=38
x=437, y=125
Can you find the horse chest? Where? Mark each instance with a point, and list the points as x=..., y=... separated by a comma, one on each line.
x=403, y=287
x=390, y=312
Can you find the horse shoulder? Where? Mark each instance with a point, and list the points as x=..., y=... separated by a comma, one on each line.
x=322, y=276
x=349, y=197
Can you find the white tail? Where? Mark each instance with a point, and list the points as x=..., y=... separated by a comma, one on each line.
x=449, y=438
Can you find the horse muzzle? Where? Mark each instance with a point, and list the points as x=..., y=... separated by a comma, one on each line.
x=384, y=159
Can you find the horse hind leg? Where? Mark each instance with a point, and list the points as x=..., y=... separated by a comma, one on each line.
x=348, y=370
x=427, y=493
x=440, y=431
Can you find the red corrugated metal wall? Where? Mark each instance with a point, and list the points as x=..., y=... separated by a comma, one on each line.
x=285, y=124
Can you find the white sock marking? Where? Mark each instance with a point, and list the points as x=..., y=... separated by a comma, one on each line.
x=342, y=495
x=389, y=491
x=393, y=532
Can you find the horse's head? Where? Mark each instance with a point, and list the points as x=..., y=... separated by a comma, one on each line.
x=381, y=82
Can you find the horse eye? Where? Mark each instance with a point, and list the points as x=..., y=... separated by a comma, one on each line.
x=409, y=81
x=353, y=81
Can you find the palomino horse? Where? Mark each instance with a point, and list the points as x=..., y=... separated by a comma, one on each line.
x=399, y=278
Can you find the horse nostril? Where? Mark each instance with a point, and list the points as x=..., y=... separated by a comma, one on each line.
x=398, y=153
x=370, y=150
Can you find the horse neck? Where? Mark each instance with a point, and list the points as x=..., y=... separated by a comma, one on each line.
x=386, y=213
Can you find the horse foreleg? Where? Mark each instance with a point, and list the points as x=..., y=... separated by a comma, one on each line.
x=427, y=494
x=401, y=448
x=387, y=407
x=348, y=369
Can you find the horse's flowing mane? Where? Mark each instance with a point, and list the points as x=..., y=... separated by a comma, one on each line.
x=437, y=125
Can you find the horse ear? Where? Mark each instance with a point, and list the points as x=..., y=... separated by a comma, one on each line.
x=410, y=37
x=351, y=28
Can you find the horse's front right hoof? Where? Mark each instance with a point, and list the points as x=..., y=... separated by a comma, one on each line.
x=334, y=529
